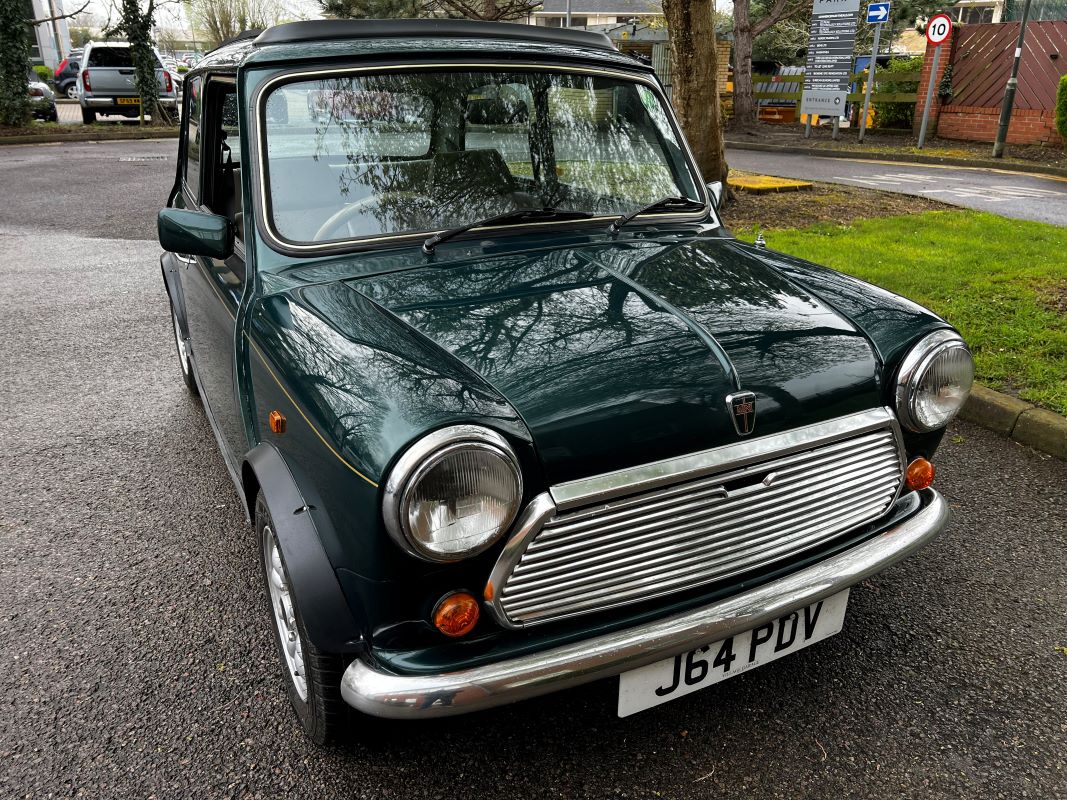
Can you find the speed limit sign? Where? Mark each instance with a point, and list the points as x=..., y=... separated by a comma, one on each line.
x=938, y=29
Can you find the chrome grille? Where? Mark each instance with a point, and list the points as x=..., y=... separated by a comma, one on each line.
x=700, y=530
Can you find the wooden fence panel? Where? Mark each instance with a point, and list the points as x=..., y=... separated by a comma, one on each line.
x=983, y=58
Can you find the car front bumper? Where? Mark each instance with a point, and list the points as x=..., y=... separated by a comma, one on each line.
x=384, y=694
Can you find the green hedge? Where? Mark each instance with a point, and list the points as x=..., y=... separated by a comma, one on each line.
x=44, y=74
x=895, y=115
x=1061, y=110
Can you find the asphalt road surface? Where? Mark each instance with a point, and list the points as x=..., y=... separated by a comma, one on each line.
x=137, y=657
x=1009, y=194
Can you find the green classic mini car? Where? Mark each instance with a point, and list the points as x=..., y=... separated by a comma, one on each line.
x=508, y=407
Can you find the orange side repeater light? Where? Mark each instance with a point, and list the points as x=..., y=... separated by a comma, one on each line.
x=277, y=421
x=920, y=474
x=456, y=614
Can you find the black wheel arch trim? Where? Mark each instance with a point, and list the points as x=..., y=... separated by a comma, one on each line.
x=329, y=619
x=168, y=263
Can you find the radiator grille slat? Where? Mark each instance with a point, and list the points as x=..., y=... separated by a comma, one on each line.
x=725, y=510
x=712, y=535
x=702, y=530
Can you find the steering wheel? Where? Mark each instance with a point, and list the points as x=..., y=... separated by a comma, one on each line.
x=344, y=215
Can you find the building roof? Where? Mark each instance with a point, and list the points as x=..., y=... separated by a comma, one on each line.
x=608, y=7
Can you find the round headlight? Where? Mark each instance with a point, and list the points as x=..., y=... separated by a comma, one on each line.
x=452, y=493
x=934, y=382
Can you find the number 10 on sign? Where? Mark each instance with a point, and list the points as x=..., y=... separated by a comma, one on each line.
x=937, y=31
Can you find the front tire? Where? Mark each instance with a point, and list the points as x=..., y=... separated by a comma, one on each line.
x=312, y=677
x=72, y=92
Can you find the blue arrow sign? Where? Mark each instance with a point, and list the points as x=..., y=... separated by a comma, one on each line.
x=877, y=12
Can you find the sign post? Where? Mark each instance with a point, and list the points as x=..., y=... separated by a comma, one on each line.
x=829, y=65
x=877, y=13
x=937, y=31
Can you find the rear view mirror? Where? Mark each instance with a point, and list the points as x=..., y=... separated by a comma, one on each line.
x=715, y=190
x=195, y=233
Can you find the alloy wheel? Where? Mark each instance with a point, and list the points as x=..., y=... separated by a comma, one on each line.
x=281, y=603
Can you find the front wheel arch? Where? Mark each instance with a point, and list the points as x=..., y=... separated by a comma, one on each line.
x=333, y=625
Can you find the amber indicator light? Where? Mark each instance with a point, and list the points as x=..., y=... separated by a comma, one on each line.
x=920, y=474
x=277, y=421
x=456, y=614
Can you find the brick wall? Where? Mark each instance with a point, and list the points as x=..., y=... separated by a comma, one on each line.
x=978, y=124
x=947, y=50
x=722, y=52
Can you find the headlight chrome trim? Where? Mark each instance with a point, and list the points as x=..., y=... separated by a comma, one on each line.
x=913, y=369
x=422, y=456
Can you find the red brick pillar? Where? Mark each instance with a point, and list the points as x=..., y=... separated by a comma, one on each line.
x=948, y=49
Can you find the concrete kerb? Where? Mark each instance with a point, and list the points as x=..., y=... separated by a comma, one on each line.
x=119, y=135
x=903, y=158
x=1020, y=421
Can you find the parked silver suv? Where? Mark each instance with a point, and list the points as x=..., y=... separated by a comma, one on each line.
x=106, y=83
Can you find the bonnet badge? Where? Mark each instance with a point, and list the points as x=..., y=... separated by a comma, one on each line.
x=742, y=408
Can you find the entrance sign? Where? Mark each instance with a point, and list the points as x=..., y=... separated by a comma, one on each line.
x=938, y=29
x=877, y=12
x=829, y=66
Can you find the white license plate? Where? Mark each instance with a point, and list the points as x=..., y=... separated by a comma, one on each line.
x=686, y=673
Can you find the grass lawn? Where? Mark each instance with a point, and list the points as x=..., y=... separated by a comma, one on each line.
x=1001, y=282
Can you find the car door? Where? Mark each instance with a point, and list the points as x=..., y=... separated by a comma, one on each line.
x=213, y=287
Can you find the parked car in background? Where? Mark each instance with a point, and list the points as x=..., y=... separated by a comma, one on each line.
x=42, y=100
x=106, y=82
x=67, y=75
x=508, y=407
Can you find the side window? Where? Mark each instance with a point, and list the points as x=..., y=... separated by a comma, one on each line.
x=192, y=138
x=222, y=166
x=497, y=117
x=586, y=120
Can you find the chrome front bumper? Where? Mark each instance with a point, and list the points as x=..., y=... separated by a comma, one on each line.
x=383, y=694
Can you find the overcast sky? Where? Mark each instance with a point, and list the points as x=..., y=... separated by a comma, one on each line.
x=173, y=14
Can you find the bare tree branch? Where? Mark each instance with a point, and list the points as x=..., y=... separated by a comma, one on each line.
x=781, y=10
x=43, y=20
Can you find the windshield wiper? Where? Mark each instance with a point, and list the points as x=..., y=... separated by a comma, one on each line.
x=662, y=203
x=509, y=218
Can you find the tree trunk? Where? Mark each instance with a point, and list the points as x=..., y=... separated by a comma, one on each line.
x=14, y=64
x=744, y=105
x=695, y=90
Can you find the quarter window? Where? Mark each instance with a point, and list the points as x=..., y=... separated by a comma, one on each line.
x=192, y=137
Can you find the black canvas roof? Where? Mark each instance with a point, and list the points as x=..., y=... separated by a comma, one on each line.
x=334, y=29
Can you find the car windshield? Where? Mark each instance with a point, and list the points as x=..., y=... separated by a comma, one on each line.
x=372, y=155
